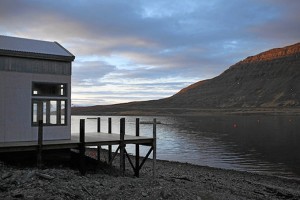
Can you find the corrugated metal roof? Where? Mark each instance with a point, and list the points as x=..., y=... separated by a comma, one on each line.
x=15, y=44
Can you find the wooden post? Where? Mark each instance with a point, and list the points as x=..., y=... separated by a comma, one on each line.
x=109, y=146
x=122, y=146
x=40, y=144
x=154, y=147
x=98, y=131
x=137, y=149
x=98, y=125
x=82, y=167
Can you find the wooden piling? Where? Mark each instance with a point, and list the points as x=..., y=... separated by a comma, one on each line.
x=122, y=146
x=98, y=124
x=82, y=167
x=154, y=147
x=40, y=144
x=98, y=131
x=137, y=149
x=109, y=146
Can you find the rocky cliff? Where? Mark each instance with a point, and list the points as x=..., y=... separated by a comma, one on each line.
x=269, y=79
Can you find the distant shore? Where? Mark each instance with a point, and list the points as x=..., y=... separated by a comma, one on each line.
x=112, y=111
x=174, y=180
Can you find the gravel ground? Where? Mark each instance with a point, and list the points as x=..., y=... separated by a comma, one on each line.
x=174, y=181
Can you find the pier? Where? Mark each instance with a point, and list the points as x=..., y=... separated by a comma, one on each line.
x=82, y=140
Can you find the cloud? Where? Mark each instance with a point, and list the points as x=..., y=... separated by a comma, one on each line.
x=285, y=26
x=123, y=48
x=90, y=72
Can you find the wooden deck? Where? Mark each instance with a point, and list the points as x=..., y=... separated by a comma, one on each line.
x=82, y=140
x=91, y=139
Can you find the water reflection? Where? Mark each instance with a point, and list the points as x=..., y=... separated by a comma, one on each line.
x=265, y=144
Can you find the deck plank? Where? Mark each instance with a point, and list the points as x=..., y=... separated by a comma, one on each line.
x=91, y=139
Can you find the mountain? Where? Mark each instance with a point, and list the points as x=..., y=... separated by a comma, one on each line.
x=267, y=80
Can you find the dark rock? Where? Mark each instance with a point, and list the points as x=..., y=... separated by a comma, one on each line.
x=3, y=187
x=27, y=177
x=144, y=194
x=223, y=184
x=17, y=194
x=122, y=187
x=6, y=175
x=165, y=195
x=44, y=176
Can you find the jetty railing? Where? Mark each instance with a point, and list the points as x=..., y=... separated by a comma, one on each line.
x=81, y=141
x=121, y=149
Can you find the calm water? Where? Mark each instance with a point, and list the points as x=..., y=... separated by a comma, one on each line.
x=255, y=143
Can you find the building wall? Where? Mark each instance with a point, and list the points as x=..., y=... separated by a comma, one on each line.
x=32, y=65
x=16, y=107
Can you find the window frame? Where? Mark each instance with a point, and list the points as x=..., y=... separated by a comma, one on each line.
x=48, y=112
x=43, y=102
x=65, y=93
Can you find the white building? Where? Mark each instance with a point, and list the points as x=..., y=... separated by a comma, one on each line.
x=35, y=83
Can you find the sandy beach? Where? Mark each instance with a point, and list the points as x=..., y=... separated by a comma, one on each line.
x=174, y=180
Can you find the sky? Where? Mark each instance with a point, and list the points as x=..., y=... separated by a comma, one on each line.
x=143, y=50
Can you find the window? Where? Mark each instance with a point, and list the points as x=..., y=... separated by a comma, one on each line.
x=52, y=112
x=49, y=89
x=49, y=103
x=34, y=112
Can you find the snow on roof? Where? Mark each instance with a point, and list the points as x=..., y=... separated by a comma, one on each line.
x=19, y=45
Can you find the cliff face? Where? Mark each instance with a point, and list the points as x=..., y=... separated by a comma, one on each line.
x=269, y=79
x=277, y=53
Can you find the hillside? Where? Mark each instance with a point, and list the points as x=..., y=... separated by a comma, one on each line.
x=265, y=81
x=269, y=79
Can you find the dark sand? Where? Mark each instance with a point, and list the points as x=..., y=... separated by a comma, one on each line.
x=174, y=181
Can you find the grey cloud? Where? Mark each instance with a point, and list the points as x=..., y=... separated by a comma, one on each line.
x=162, y=40
x=89, y=72
x=285, y=28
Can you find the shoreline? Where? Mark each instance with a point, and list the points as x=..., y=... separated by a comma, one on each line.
x=174, y=180
x=292, y=178
x=190, y=112
x=269, y=166
x=92, y=152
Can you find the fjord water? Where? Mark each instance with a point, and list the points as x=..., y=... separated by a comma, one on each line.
x=256, y=143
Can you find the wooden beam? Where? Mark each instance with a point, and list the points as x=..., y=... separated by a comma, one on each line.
x=122, y=146
x=98, y=124
x=114, y=155
x=129, y=159
x=154, y=147
x=40, y=144
x=82, y=167
x=109, y=146
x=137, y=149
x=146, y=157
x=98, y=131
